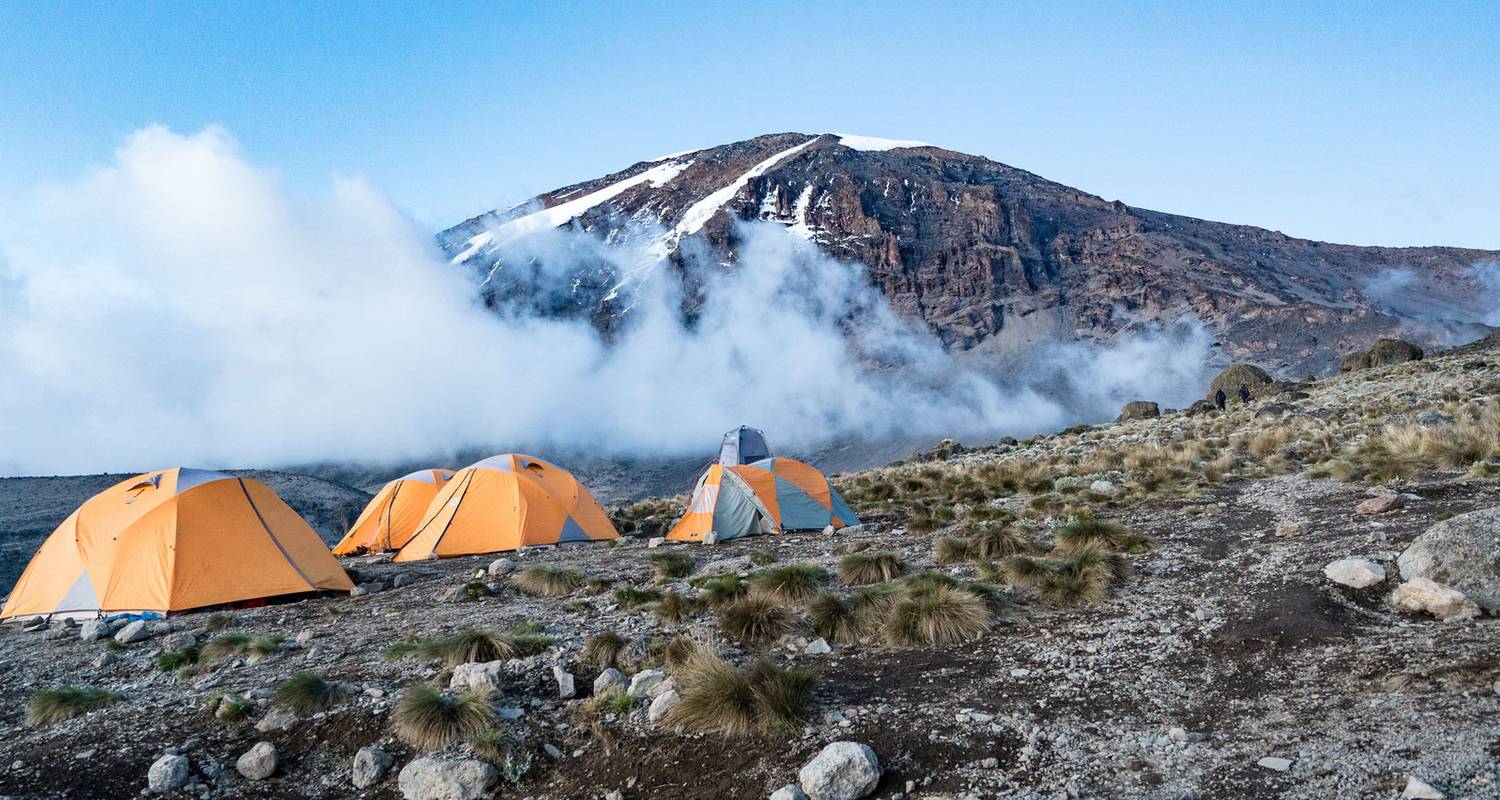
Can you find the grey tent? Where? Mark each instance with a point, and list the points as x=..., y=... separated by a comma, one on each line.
x=743, y=445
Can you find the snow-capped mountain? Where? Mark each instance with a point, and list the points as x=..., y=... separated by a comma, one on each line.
x=988, y=256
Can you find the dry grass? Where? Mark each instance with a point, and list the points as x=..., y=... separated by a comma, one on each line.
x=673, y=608
x=858, y=569
x=254, y=649
x=473, y=644
x=51, y=706
x=936, y=614
x=429, y=719
x=1085, y=529
x=717, y=698
x=1081, y=576
x=603, y=650
x=548, y=580
x=835, y=618
x=793, y=583
x=950, y=550
x=220, y=621
x=632, y=597
x=308, y=693
x=716, y=590
x=671, y=565
x=756, y=620
x=992, y=540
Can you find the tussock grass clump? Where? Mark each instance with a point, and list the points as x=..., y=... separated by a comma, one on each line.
x=254, y=649
x=1081, y=576
x=950, y=550
x=857, y=569
x=595, y=584
x=308, y=693
x=762, y=558
x=793, y=583
x=473, y=644
x=755, y=620
x=603, y=650
x=993, y=540
x=717, y=698
x=428, y=718
x=615, y=702
x=673, y=607
x=681, y=650
x=232, y=709
x=632, y=597
x=835, y=618
x=220, y=621
x=1087, y=529
x=173, y=660
x=51, y=706
x=936, y=614
x=548, y=580
x=716, y=590
x=671, y=565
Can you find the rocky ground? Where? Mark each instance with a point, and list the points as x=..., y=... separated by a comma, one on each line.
x=1229, y=665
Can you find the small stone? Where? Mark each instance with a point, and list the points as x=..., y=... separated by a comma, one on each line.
x=1357, y=573
x=1422, y=595
x=817, y=647
x=551, y=751
x=370, y=765
x=841, y=771
x=1275, y=764
x=430, y=778
x=179, y=641
x=168, y=773
x=485, y=677
x=1378, y=505
x=1104, y=487
x=258, y=763
x=1288, y=530
x=1418, y=789
x=134, y=632
x=610, y=680
x=644, y=681
x=790, y=791
x=93, y=629
x=305, y=635
x=661, y=705
x=1177, y=734
x=655, y=542
x=501, y=567
x=990, y=763
x=277, y=719
x=565, y=685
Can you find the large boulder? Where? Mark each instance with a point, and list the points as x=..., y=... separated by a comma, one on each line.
x=1354, y=362
x=1138, y=409
x=1393, y=351
x=168, y=774
x=1462, y=552
x=842, y=771
x=1420, y=595
x=259, y=762
x=429, y=778
x=1239, y=376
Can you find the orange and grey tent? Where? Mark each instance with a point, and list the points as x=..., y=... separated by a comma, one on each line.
x=392, y=517
x=507, y=502
x=170, y=541
x=770, y=496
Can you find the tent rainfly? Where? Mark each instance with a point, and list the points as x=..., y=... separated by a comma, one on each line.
x=743, y=445
x=170, y=541
x=392, y=516
x=770, y=496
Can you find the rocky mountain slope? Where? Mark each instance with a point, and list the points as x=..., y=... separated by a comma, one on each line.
x=988, y=256
x=1264, y=625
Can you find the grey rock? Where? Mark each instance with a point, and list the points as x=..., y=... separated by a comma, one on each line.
x=661, y=705
x=168, y=773
x=277, y=719
x=134, y=632
x=430, y=778
x=1418, y=789
x=501, y=567
x=565, y=683
x=478, y=677
x=610, y=680
x=1420, y=595
x=370, y=765
x=817, y=647
x=1462, y=553
x=841, y=771
x=1275, y=764
x=178, y=641
x=93, y=629
x=644, y=681
x=790, y=791
x=259, y=762
x=1356, y=573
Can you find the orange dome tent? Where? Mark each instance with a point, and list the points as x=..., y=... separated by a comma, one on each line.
x=507, y=502
x=170, y=541
x=392, y=517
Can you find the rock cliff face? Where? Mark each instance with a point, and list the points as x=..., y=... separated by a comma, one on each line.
x=988, y=256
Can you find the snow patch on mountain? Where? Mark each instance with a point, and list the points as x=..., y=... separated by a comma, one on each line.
x=563, y=213
x=875, y=143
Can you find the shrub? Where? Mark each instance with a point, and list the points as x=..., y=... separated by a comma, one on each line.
x=793, y=583
x=631, y=597
x=717, y=590
x=755, y=620
x=50, y=706
x=429, y=719
x=671, y=565
x=950, y=550
x=307, y=693
x=548, y=580
x=717, y=698
x=871, y=567
x=603, y=650
x=936, y=615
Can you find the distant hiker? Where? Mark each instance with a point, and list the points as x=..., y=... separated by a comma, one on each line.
x=1220, y=399
x=1244, y=394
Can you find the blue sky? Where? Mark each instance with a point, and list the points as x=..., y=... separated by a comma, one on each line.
x=1369, y=123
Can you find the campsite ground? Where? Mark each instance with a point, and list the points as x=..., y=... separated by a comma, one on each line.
x=1226, y=646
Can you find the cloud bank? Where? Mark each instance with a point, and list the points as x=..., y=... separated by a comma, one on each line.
x=183, y=306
